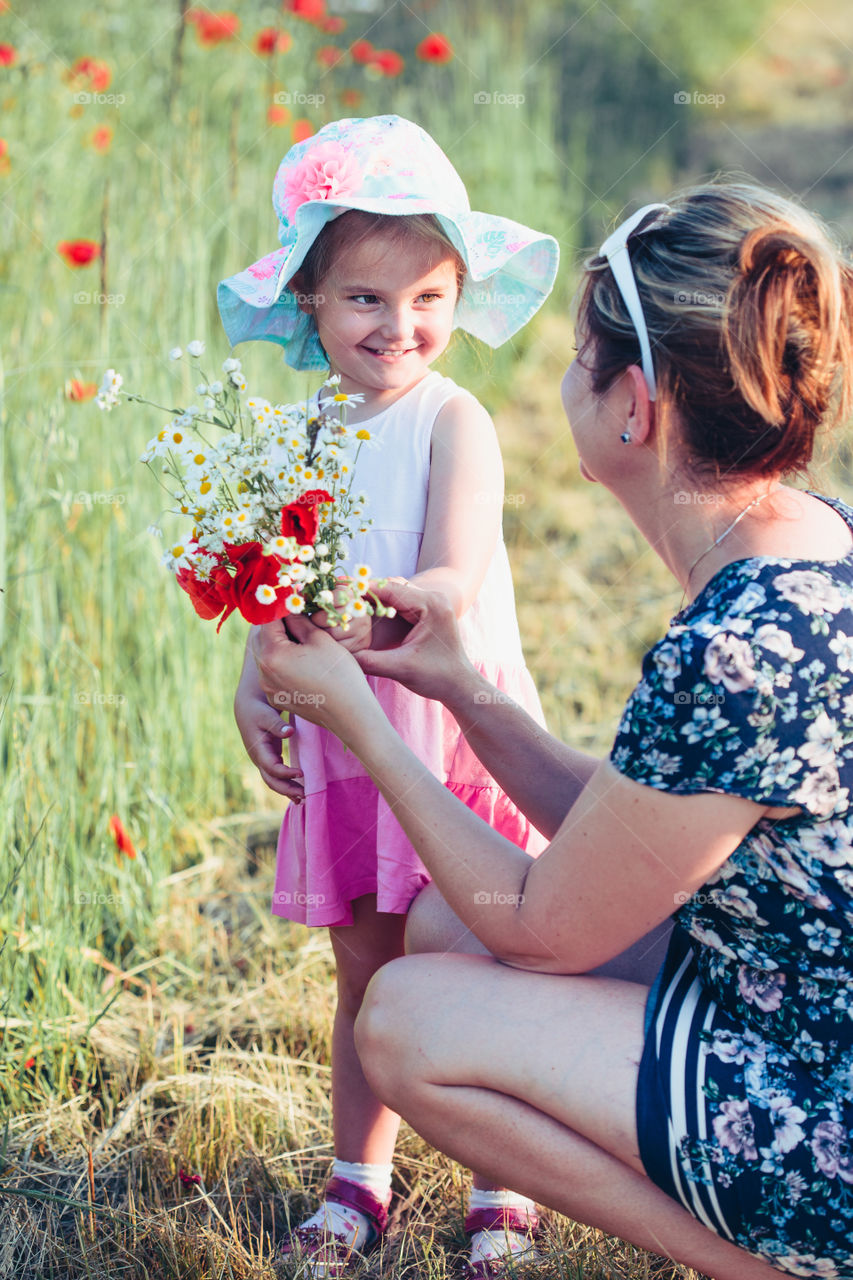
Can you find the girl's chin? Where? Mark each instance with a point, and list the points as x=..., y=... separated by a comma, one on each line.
x=587, y=475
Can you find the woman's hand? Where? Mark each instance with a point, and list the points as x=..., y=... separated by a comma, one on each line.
x=262, y=730
x=303, y=670
x=430, y=660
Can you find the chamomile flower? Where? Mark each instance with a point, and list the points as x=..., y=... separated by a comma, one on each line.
x=175, y=353
x=108, y=396
x=361, y=576
x=325, y=597
x=231, y=365
x=305, y=552
x=177, y=557
x=284, y=578
x=359, y=608
x=265, y=594
x=295, y=603
x=195, y=348
x=238, y=380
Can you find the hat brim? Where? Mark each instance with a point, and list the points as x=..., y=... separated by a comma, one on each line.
x=509, y=272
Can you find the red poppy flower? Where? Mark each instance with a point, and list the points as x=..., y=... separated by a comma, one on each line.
x=308, y=10
x=215, y=28
x=29, y=1064
x=362, y=51
x=301, y=130
x=79, y=253
x=333, y=25
x=388, y=61
x=270, y=40
x=189, y=1179
x=102, y=138
x=8, y=55
x=209, y=596
x=254, y=569
x=5, y=163
x=94, y=71
x=351, y=97
x=124, y=844
x=77, y=390
x=329, y=55
x=277, y=114
x=434, y=48
x=301, y=519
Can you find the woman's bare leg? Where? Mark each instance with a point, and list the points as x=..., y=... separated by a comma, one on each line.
x=531, y=1078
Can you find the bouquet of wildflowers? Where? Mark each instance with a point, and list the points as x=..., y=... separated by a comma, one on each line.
x=267, y=490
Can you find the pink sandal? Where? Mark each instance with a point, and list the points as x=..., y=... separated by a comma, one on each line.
x=312, y=1246
x=499, y=1221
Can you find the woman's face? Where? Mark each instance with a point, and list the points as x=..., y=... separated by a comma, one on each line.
x=585, y=410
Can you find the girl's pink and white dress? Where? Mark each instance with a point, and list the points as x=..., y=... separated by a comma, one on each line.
x=343, y=841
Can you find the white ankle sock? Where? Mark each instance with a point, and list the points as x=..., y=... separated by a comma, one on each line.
x=344, y=1221
x=376, y=1177
x=499, y=1243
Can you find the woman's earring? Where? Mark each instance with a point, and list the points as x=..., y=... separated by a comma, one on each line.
x=625, y=437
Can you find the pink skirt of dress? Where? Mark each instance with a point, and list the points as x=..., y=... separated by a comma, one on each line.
x=343, y=841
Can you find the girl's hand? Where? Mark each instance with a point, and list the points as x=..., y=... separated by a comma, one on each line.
x=263, y=731
x=302, y=667
x=430, y=660
x=357, y=636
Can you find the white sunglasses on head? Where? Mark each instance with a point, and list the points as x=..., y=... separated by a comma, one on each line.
x=615, y=250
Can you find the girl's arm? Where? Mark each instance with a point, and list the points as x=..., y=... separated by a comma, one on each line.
x=624, y=857
x=465, y=504
x=263, y=730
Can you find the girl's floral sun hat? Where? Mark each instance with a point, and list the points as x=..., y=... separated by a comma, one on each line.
x=384, y=164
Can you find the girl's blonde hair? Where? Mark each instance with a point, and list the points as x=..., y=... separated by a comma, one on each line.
x=749, y=307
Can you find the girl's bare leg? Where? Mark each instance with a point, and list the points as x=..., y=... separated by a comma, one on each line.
x=364, y=1129
x=531, y=1078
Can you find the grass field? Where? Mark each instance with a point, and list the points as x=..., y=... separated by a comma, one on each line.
x=156, y=1020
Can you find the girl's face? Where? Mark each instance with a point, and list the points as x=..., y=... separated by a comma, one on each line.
x=384, y=312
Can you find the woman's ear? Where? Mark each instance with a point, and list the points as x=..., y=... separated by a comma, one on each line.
x=640, y=409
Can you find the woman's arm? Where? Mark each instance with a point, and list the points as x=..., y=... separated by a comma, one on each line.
x=540, y=774
x=623, y=859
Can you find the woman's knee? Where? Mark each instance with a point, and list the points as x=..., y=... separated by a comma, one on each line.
x=384, y=1029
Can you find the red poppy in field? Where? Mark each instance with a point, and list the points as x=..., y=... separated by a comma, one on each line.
x=124, y=844
x=333, y=26
x=301, y=130
x=8, y=55
x=216, y=28
x=189, y=1179
x=278, y=115
x=329, y=55
x=254, y=570
x=79, y=253
x=434, y=48
x=29, y=1064
x=351, y=97
x=362, y=51
x=102, y=138
x=388, y=61
x=5, y=164
x=308, y=10
x=79, y=391
x=93, y=72
x=270, y=40
x=300, y=519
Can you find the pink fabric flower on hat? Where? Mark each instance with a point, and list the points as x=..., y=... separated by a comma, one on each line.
x=325, y=172
x=266, y=267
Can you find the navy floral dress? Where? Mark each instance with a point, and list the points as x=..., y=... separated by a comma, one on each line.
x=745, y=1093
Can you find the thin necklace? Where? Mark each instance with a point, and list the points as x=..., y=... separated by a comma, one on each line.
x=717, y=541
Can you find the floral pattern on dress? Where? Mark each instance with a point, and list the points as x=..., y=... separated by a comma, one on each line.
x=750, y=693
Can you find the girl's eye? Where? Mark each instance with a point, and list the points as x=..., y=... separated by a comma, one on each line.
x=368, y=298
x=429, y=297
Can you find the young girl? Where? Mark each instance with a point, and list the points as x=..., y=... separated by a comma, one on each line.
x=381, y=259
